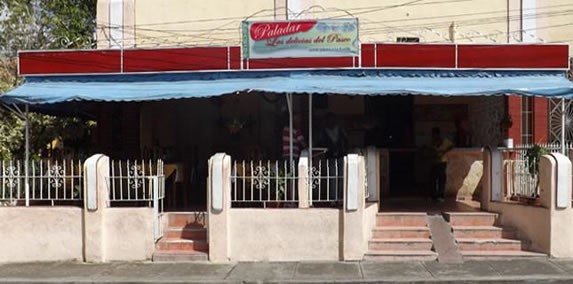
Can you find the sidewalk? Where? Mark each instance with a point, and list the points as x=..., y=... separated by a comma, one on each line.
x=498, y=271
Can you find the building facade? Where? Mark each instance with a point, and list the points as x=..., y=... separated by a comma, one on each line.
x=173, y=83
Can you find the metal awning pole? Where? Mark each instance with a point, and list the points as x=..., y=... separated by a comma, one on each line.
x=563, y=116
x=290, y=127
x=310, y=149
x=27, y=161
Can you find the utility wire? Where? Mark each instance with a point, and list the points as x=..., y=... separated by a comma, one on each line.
x=364, y=31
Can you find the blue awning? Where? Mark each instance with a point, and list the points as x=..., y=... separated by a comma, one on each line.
x=150, y=87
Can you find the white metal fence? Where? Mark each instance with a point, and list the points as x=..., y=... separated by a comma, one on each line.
x=275, y=183
x=139, y=183
x=135, y=181
x=327, y=181
x=521, y=175
x=50, y=182
x=263, y=184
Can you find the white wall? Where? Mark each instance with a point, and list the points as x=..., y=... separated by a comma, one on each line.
x=128, y=234
x=40, y=234
x=531, y=223
x=369, y=222
x=284, y=234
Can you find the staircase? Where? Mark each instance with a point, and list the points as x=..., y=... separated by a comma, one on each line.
x=184, y=238
x=477, y=236
x=400, y=236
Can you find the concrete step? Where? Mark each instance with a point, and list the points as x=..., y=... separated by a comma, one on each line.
x=186, y=219
x=181, y=245
x=483, y=232
x=179, y=256
x=470, y=254
x=488, y=245
x=189, y=233
x=399, y=244
x=471, y=218
x=402, y=255
x=401, y=232
x=401, y=219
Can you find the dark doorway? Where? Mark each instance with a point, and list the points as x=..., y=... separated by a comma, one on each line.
x=394, y=128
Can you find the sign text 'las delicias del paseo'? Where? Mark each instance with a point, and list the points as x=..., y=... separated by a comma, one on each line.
x=301, y=38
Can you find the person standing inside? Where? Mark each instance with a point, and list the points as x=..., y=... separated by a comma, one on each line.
x=441, y=147
x=335, y=139
x=298, y=141
x=298, y=144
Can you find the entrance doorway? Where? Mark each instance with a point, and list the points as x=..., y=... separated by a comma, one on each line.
x=394, y=130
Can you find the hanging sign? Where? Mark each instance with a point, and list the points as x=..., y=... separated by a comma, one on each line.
x=301, y=38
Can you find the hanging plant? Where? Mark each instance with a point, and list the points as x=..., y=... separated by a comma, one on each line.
x=506, y=122
x=235, y=125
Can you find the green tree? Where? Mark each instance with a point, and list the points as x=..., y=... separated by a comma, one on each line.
x=32, y=25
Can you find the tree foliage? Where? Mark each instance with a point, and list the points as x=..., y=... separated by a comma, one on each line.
x=33, y=25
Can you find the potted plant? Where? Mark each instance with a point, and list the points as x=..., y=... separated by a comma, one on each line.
x=533, y=156
x=235, y=125
x=278, y=189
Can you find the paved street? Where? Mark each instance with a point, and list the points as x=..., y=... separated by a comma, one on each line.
x=496, y=271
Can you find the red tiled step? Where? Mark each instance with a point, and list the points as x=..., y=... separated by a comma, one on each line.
x=198, y=233
x=471, y=218
x=500, y=254
x=180, y=256
x=401, y=219
x=400, y=244
x=482, y=232
x=488, y=245
x=404, y=255
x=186, y=219
x=182, y=245
x=401, y=232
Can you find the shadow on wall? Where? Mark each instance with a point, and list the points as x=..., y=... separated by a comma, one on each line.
x=465, y=171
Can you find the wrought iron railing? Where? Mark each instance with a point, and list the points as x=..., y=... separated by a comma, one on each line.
x=50, y=182
x=267, y=184
x=135, y=181
x=264, y=184
x=327, y=181
x=521, y=174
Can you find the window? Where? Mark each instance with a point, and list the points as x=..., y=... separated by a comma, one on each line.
x=527, y=120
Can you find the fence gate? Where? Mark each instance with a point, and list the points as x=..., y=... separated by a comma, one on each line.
x=138, y=184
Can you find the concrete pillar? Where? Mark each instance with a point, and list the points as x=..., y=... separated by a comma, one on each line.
x=555, y=173
x=514, y=23
x=129, y=23
x=281, y=9
x=354, y=242
x=303, y=181
x=546, y=180
x=96, y=200
x=102, y=33
x=218, y=207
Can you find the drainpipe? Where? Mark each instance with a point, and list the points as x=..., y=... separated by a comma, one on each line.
x=289, y=104
x=27, y=161
x=310, y=148
x=563, y=116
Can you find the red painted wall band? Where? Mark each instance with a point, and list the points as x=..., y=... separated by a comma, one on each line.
x=425, y=56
